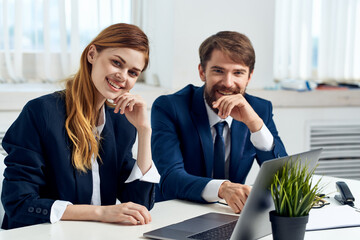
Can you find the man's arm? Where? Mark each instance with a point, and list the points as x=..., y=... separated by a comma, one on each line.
x=263, y=134
x=241, y=110
x=175, y=181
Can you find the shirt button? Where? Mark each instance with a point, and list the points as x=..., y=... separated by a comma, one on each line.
x=38, y=210
x=30, y=209
x=45, y=212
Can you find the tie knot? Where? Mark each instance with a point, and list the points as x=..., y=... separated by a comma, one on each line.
x=219, y=127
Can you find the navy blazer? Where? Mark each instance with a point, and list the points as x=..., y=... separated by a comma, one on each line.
x=182, y=144
x=39, y=167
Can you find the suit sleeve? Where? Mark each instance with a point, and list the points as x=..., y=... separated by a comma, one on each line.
x=175, y=181
x=279, y=148
x=24, y=176
x=137, y=191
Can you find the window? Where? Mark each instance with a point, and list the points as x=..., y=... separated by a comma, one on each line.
x=43, y=39
x=317, y=40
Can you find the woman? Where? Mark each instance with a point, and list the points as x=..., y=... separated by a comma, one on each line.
x=70, y=152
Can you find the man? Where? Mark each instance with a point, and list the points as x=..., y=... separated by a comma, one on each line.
x=196, y=161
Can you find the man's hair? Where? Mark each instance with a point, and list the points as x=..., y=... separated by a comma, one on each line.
x=235, y=45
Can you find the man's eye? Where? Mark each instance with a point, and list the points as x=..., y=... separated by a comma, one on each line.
x=218, y=71
x=239, y=73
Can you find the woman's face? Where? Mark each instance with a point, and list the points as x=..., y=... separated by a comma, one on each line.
x=114, y=71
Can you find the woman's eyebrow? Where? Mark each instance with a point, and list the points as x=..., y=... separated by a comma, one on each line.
x=124, y=62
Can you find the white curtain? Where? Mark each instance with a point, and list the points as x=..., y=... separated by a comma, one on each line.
x=339, y=41
x=293, y=40
x=42, y=40
x=317, y=40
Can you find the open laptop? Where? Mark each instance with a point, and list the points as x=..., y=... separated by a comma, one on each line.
x=252, y=223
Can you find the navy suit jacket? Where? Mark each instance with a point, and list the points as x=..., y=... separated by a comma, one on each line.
x=39, y=167
x=182, y=144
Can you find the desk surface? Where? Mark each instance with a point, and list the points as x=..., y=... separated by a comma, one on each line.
x=164, y=213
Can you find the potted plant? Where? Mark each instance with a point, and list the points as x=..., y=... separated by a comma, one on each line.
x=294, y=195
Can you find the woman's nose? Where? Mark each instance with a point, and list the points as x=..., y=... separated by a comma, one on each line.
x=120, y=77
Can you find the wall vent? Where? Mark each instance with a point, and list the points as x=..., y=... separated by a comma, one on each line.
x=341, y=148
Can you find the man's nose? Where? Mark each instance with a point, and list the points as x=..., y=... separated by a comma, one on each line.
x=228, y=80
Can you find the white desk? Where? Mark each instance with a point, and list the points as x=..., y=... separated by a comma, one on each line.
x=164, y=213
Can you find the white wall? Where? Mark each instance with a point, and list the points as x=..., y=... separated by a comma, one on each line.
x=176, y=29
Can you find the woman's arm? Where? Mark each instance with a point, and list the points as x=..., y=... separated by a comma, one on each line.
x=126, y=213
x=134, y=108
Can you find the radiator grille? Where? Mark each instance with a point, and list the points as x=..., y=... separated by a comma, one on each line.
x=341, y=149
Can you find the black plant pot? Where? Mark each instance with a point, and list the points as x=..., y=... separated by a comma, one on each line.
x=284, y=228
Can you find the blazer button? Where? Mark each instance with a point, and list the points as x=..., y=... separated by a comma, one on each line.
x=45, y=212
x=30, y=209
x=38, y=210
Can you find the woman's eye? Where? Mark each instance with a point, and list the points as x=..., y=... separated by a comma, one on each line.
x=133, y=73
x=117, y=63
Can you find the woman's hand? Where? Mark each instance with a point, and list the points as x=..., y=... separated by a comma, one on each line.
x=125, y=213
x=135, y=111
x=134, y=108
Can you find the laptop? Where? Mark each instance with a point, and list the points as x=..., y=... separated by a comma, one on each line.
x=252, y=223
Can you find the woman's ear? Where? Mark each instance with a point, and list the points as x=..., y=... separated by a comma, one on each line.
x=91, y=54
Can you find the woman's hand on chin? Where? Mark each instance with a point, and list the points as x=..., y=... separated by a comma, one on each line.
x=134, y=108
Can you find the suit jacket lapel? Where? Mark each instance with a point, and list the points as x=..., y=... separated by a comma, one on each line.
x=201, y=121
x=239, y=133
x=108, y=168
x=83, y=186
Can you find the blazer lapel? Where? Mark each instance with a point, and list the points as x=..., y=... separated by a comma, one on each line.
x=83, y=186
x=108, y=168
x=239, y=133
x=201, y=120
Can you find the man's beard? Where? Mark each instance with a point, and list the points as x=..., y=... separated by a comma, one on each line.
x=210, y=94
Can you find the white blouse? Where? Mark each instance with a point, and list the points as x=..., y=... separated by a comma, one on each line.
x=152, y=175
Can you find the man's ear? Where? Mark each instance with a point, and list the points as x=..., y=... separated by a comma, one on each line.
x=92, y=54
x=202, y=73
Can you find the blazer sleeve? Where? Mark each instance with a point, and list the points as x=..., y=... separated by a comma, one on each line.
x=279, y=148
x=24, y=175
x=137, y=191
x=175, y=181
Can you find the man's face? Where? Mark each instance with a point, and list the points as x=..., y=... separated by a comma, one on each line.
x=223, y=77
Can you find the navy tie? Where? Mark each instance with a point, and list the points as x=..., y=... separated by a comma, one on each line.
x=219, y=151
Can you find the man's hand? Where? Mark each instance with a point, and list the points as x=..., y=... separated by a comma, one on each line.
x=235, y=195
x=238, y=108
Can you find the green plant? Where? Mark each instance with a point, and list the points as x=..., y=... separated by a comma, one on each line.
x=292, y=190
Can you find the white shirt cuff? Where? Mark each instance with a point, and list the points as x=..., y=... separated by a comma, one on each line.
x=57, y=210
x=152, y=175
x=262, y=139
x=211, y=191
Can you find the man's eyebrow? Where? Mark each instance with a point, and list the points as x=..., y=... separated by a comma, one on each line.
x=240, y=70
x=217, y=67
x=124, y=62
